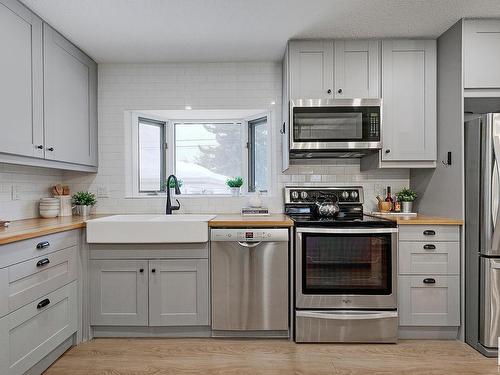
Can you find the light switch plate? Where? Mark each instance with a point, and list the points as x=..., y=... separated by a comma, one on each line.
x=16, y=195
x=102, y=192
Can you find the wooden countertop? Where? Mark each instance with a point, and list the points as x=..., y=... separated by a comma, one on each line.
x=422, y=220
x=238, y=221
x=29, y=228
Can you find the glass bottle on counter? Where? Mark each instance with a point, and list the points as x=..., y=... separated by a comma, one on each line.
x=397, y=205
x=389, y=199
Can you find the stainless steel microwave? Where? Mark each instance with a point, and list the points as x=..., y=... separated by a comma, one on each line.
x=335, y=128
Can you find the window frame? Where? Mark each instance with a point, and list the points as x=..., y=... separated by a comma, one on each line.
x=132, y=160
x=163, y=154
x=251, y=125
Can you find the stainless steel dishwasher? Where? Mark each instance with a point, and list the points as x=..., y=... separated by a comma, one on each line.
x=249, y=269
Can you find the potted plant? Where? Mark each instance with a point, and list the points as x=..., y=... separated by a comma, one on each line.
x=83, y=201
x=406, y=196
x=171, y=186
x=235, y=185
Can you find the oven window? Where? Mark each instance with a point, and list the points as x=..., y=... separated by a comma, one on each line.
x=346, y=264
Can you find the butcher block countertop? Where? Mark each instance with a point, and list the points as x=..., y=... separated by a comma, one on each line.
x=421, y=220
x=239, y=221
x=29, y=228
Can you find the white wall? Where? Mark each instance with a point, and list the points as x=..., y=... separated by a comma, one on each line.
x=124, y=87
x=32, y=183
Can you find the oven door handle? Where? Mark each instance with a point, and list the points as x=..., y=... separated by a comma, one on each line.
x=347, y=230
x=346, y=316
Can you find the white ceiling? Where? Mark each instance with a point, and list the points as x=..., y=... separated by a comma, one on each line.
x=240, y=30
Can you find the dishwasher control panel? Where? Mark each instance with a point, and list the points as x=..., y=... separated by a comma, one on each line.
x=249, y=235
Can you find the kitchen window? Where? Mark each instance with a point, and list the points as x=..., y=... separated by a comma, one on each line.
x=202, y=154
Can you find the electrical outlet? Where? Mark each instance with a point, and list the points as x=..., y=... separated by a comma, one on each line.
x=16, y=195
x=102, y=192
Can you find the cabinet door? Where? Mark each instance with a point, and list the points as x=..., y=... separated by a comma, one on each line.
x=357, y=69
x=70, y=84
x=423, y=303
x=119, y=292
x=178, y=292
x=409, y=95
x=311, y=69
x=481, y=53
x=285, y=126
x=21, y=88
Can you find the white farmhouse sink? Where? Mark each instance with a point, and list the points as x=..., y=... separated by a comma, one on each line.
x=149, y=229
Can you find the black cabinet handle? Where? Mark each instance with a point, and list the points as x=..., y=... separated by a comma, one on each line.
x=339, y=91
x=282, y=131
x=42, y=245
x=141, y=270
x=43, y=303
x=153, y=270
x=388, y=151
x=329, y=91
x=50, y=148
x=429, y=280
x=40, y=147
x=429, y=232
x=42, y=262
x=429, y=247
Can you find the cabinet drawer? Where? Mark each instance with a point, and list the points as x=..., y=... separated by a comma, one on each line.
x=27, y=335
x=440, y=258
x=429, y=233
x=427, y=303
x=20, y=251
x=31, y=279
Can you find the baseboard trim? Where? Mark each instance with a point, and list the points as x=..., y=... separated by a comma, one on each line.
x=132, y=331
x=50, y=358
x=429, y=333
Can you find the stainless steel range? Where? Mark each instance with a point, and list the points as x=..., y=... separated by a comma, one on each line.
x=345, y=267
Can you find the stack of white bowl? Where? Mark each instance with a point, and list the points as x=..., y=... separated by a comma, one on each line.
x=49, y=207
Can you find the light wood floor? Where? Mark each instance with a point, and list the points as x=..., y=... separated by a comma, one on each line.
x=245, y=357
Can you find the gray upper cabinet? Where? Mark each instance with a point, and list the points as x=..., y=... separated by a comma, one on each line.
x=357, y=69
x=21, y=80
x=69, y=101
x=285, y=118
x=481, y=54
x=409, y=97
x=311, y=69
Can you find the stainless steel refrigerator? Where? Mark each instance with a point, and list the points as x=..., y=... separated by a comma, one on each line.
x=482, y=232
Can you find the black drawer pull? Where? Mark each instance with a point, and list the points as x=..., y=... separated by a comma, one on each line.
x=141, y=270
x=429, y=280
x=429, y=232
x=153, y=270
x=43, y=303
x=42, y=245
x=429, y=247
x=42, y=262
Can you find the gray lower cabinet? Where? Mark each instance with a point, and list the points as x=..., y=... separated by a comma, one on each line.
x=21, y=102
x=178, y=292
x=166, y=292
x=119, y=292
x=429, y=279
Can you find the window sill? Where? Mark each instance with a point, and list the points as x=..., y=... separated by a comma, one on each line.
x=195, y=196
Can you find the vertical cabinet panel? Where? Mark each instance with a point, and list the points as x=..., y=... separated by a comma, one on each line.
x=481, y=54
x=357, y=69
x=409, y=94
x=178, y=292
x=311, y=69
x=119, y=292
x=69, y=101
x=21, y=80
x=285, y=118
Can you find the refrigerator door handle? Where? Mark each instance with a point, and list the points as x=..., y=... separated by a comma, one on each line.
x=495, y=186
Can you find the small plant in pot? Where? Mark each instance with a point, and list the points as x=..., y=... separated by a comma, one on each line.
x=406, y=196
x=235, y=185
x=83, y=201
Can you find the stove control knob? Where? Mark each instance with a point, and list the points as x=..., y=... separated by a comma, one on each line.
x=345, y=195
x=354, y=194
x=295, y=194
x=303, y=195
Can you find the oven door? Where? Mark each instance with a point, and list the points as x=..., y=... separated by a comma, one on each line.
x=342, y=124
x=346, y=268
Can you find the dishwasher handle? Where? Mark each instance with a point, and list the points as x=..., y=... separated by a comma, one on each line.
x=249, y=244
